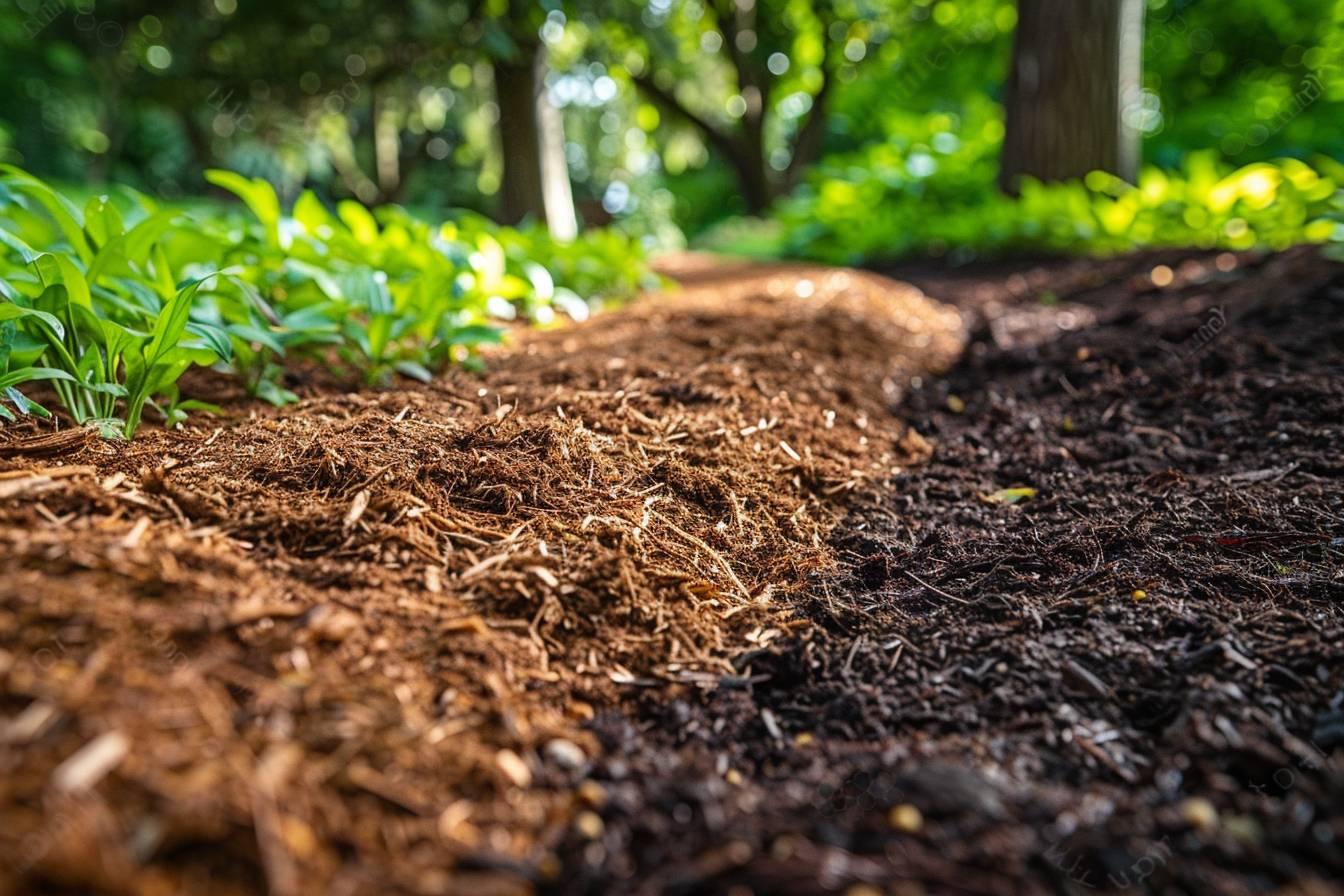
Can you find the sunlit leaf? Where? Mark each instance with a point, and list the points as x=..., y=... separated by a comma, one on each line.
x=1009, y=495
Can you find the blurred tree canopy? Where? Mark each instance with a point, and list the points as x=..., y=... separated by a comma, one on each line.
x=752, y=79
x=676, y=113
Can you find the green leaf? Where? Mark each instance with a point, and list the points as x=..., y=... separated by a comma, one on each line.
x=216, y=339
x=311, y=213
x=75, y=281
x=55, y=300
x=325, y=281
x=273, y=393
x=257, y=194
x=24, y=404
x=8, y=335
x=133, y=246
x=380, y=330
x=358, y=335
x=116, y=390
x=172, y=322
x=414, y=370
x=312, y=319
x=26, y=252
x=259, y=335
x=1009, y=495
x=32, y=374
x=163, y=273
x=110, y=428
x=192, y=404
x=102, y=221
x=362, y=224
x=10, y=311
x=62, y=210
x=367, y=289
x=89, y=370
x=473, y=334
x=147, y=205
x=117, y=340
x=148, y=232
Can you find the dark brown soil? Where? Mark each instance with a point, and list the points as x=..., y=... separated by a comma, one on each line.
x=676, y=601
x=1123, y=683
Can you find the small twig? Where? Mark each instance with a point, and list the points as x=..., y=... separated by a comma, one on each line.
x=938, y=591
x=746, y=592
x=854, y=648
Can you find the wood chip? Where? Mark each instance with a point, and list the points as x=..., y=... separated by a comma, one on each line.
x=357, y=508
x=1085, y=677
x=473, y=624
x=1262, y=475
x=514, y=768
x=475, y=570
x=378, y=784
x=30, y=724
x=91, y=763
x=253, y=610
x=771, y=725
x=433, y=580
x=137, y=532
x=333, y=623
x=49, y=443
x=454, y=818
x=545, y=575
x=29, y=485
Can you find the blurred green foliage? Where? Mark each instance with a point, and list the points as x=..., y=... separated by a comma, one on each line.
x=872, y=212
x=1239, y=108
x=662, y=100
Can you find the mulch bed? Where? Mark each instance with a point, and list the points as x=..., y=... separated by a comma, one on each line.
x=355, y=645
x=1130, y=681
x=732, y=591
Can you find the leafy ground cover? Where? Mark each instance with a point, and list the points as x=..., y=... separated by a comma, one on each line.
x=702, y=612
x=937, y=196
x=112, y=303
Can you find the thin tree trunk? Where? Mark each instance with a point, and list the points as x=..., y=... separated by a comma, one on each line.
x=753, y=178
x=1074, y=62
x=758, y=187
x=747, y=163
x=556, y=191
x=386, y=146
x=536, y=176
x=808, y=145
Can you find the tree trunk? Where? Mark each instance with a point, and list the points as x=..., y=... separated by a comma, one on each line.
x=531, y=133
x=744, y=154
x=753, y=178
x=1074, y=63
x=386, y=145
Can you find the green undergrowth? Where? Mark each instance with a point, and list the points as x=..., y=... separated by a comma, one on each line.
x=937, y=196
x=109, y=303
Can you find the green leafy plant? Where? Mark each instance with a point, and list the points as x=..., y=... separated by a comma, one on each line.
x=398, y=295
x=121, y=298
x=98, y=315
x=933, y=193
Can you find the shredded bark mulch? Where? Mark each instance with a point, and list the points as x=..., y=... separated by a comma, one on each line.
x=355, y=645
